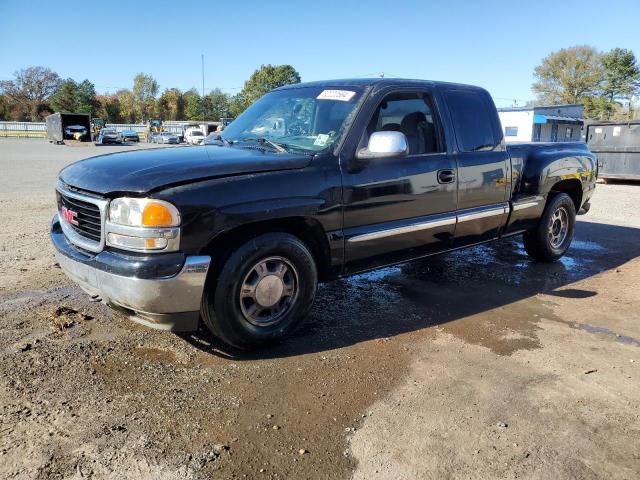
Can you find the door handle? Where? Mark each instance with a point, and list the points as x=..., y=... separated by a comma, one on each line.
x=446, y=176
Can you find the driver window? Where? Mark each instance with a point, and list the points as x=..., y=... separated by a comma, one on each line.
x=411, y=114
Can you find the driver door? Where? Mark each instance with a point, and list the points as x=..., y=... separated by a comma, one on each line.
x=403, y=207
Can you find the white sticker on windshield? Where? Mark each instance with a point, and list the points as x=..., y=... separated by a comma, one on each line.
x=321, y=140
x=340, y=95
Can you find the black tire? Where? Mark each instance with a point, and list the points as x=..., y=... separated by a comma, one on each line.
x=546, y=243
x=222, y=311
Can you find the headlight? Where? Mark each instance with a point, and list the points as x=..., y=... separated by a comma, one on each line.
x=143, y=212
x=143, y=225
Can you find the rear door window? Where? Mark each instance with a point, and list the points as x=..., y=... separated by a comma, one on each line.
x=472, y=121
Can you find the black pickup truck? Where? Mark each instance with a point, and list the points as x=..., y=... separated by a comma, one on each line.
x=312, y=182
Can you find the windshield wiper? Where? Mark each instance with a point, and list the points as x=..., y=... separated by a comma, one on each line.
x=280, y=147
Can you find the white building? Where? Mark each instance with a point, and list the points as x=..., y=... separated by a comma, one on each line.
x=553, y=123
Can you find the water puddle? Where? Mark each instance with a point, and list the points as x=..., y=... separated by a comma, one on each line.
x=586, y=245
x=374, y=275
x=620, y=338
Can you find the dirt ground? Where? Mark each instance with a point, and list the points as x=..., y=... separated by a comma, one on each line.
x=475, y=364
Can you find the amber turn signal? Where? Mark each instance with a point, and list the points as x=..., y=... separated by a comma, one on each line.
x=157, y=215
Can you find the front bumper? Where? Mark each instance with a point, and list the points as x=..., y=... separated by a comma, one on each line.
x=160, y=291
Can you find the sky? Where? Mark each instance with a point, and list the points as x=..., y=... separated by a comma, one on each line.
x=493, y=43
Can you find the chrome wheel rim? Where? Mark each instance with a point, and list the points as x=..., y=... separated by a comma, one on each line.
x=268, y=291
x=558, y=227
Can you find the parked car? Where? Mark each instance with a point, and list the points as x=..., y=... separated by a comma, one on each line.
x=194, y=136
x=213, y=138
x=71, y=131
x=166, y=137
x=130, y=136
x=108, y=135
x=354, y=175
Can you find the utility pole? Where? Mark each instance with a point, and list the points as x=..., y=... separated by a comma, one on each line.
x=203, y=119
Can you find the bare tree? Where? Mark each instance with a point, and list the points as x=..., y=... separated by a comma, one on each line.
x=30, y=89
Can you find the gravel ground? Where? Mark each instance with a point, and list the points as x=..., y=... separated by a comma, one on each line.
x=476, y=364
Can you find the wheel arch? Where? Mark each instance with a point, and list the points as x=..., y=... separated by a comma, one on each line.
x=572, y=187
x=309, y=230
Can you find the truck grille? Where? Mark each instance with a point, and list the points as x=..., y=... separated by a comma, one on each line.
x=89, y=224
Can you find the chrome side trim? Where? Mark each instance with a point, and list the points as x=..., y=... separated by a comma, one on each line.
x=402, y=230
x=73, y=236
x=528, y=203
x=489, y=212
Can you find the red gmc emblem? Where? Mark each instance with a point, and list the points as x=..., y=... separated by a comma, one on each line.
x=69, y=215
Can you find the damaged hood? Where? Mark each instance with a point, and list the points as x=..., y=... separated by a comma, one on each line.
x=141, y=171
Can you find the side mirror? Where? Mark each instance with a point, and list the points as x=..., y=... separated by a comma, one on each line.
x=384, y=145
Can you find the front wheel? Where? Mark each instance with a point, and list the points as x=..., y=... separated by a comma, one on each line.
x=552, y=237
x=263, y=291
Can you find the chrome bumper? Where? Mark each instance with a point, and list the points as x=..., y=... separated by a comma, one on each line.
x=167, y=303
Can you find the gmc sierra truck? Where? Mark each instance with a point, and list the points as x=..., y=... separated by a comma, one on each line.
x=312, y=182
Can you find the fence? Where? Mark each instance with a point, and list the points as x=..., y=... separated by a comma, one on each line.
x=23, y=129
x=39, y=129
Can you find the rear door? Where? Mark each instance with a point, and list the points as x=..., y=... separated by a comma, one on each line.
x=396, y=208
x=483, y=165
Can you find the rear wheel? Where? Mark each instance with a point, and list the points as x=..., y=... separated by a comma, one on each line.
x=553, y=235
x=263, y=291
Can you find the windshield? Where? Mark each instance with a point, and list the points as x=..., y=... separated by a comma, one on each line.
x=305, y=118
x=197, y=133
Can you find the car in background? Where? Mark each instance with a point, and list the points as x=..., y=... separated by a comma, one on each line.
x=73, y=131
x=108, y=135
x=130, y=136
x=187, y=127
x=165, y=137
x=194, y=136
x=214, y=138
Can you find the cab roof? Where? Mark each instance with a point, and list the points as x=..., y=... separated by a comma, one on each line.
x=379, y=83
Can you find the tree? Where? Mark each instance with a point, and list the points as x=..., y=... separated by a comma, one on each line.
x=87, y=102
x=171, y=105
x=569, y=75
x=29, y=91
x=126, y=103
x=108, y=108
x=263, y=80
x=621, y=76
x=145, y=89
x=599, y=107
x=193, y=105
x=215, y=105
x=65, y=98
x=236, y=105
x=5, y=109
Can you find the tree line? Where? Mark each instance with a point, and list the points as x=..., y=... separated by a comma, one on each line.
x=36, y=92
x=606, y=83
